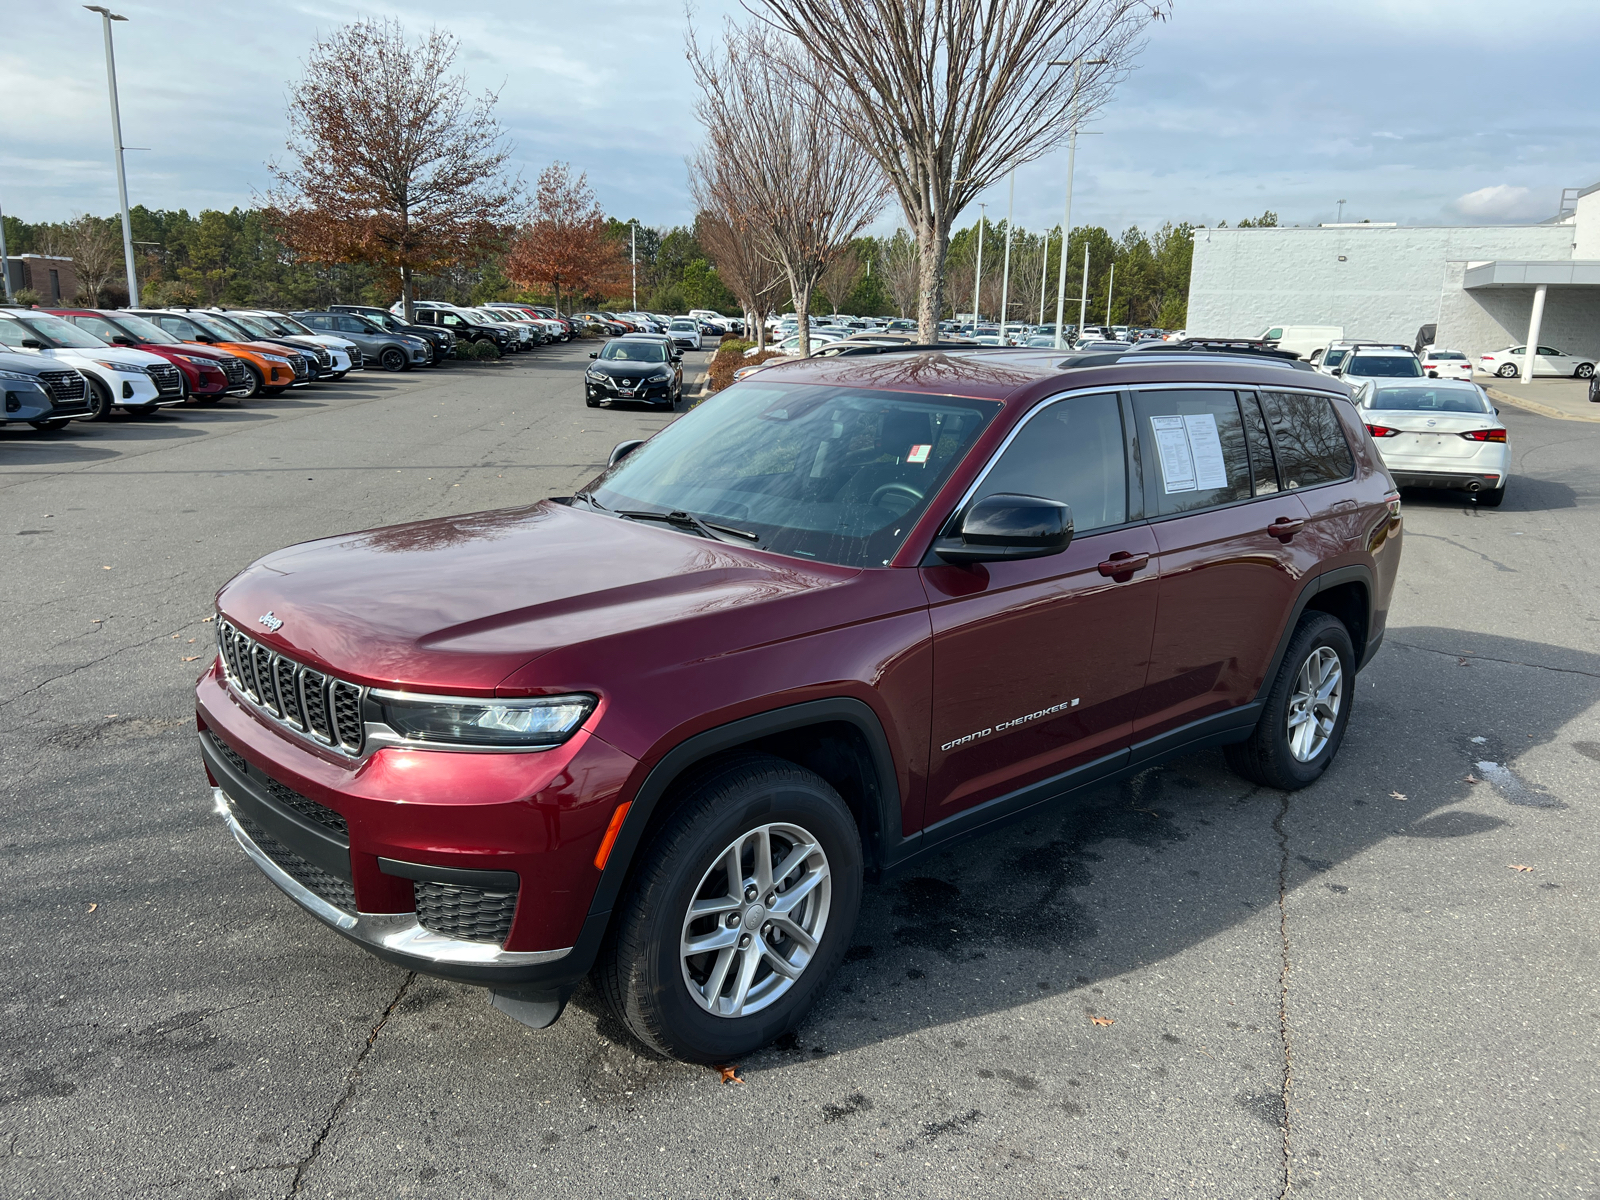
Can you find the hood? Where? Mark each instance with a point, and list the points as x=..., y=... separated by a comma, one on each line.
x=116, y=354
x=457, y=604
x=191, y=349
x=27, y=363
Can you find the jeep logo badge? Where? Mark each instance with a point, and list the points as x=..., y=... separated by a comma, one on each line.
x=271, y=622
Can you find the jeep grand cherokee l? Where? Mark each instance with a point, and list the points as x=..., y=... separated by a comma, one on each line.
x=819, y=628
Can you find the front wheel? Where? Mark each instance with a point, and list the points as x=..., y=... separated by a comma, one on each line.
x=1507, y=371
x=1584, y=371
x=392, y=360
x=741, y=910
x=1304, y=720
x=100, y=404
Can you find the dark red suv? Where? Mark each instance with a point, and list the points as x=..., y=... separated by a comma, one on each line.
x=831, y=620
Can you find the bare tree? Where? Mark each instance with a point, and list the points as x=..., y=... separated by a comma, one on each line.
x=839, y=280
x=949, y=95
x=777, y=161
x=902, y=269
x=395, y=164
x=96, y=256
x=751, y=274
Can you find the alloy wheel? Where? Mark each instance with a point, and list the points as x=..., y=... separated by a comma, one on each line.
x=1314, y=704
x=755, y=920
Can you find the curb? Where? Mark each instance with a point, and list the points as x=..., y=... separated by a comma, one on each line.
x=1544, y=410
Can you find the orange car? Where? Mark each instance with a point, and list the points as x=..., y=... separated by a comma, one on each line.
x=273, y=367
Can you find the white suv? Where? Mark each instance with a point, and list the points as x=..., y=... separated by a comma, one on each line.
x=119, y=377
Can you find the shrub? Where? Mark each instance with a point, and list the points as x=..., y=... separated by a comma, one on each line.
x=733, y=344
x=481, y=351
x=26, y=297
x=724, y=365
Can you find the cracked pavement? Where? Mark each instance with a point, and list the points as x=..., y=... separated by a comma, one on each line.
x=174, y=1027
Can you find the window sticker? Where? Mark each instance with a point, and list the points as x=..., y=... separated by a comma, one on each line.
x=1191, y=453
x=919, y=454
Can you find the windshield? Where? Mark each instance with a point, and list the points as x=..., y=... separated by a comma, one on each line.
x=829, y=473
x=212, y=327
x=287, y=325
x=382, y=321
x=1424, y=399
x=1385, y=366
x=142, y=330
x=682, y=325
x=124, y=327
x=646, y=352
x=53, y=331
x=255, y=325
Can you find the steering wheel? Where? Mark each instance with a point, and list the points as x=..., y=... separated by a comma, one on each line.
x=889, y=489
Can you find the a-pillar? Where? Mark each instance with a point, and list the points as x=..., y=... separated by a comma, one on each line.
x=1531, y=351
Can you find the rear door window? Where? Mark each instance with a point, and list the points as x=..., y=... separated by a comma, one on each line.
x=1309, y=441
x=1263, y=471
x=1192, y=445
x=1073, y=451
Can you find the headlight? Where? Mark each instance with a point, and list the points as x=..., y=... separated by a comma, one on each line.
x=534, y=722
x=199, y=362
x=597, y=376
x=20, y=376
x=273, y=358
x=121, y=368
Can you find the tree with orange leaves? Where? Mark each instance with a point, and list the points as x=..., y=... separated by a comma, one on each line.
x=396, y=165
x=565, y=245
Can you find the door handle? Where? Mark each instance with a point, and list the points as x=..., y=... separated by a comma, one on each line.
x=1285, y=528
x=1121, y=565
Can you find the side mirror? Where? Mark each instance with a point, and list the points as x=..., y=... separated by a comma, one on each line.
x=594, y=354
x=1337, y=371
x=1005, y=526
x=622, y=449
x=122, y=341
x=32, y=344
x=207, y=340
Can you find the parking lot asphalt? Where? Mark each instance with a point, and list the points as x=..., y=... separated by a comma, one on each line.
x=1382, y=986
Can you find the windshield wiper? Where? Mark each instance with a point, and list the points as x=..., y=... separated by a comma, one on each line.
x=687, y=520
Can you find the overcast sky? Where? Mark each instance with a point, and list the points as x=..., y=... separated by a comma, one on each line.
x=1417, y=111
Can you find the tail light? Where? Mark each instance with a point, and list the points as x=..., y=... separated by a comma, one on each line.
x=1381, y=431
x=1483, y=435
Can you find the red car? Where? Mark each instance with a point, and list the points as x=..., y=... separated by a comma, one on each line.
x=816, y=630
x=208, y=374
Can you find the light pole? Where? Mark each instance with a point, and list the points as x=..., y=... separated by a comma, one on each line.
x=106, y=17
x=633, y=256
x=1083, y=295
x=1340, y=217
x=977, y=278
x=1066, y=220
x=1110, y=284
x=1005, y=272
x=5, y=264
x=1044, y=272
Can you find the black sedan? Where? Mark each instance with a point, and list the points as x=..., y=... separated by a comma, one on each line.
x=646, y=369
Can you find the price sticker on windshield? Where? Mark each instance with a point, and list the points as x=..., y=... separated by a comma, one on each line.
x=919, y=454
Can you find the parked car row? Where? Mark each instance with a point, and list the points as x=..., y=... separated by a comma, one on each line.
x=62, y=364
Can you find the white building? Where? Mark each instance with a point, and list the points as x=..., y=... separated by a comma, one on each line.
x=1485, y=287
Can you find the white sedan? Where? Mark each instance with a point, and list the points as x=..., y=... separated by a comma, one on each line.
x=1438, y=433
x=1549, y=361
x=1446, y=364
x=684, y=332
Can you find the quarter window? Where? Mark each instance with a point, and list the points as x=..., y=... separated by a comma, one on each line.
x=1193, y=449
x=1308, y=438
x=1072, y=451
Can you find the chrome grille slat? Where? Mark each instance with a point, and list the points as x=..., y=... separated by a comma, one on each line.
x=314, y=705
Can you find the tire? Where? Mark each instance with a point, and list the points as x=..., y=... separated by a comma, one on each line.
x=644, y=975
x=338, y=375
x=393, y=359
x=1507, y=371
x=1491, y=498
x=100, y=404
x=206, y=401
x=52, y=424
x=1267, y=757
x=1584, y=371
x=258, y=381
x=143, y=410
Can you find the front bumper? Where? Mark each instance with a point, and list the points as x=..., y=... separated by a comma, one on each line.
x=651, y=391
x=414, y=853
x=31, y=402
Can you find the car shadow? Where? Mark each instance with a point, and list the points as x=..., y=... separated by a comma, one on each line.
x=1120, y=877
x=1522, y=495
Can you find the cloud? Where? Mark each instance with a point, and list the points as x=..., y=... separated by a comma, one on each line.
x=1502, y=202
